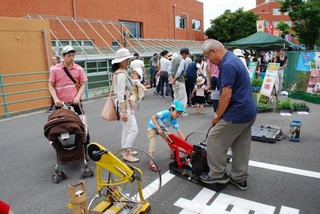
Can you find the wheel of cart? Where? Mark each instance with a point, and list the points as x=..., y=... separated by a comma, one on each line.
x=200, y=138
x=196, y=138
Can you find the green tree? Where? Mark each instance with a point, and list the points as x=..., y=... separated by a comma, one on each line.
x=231, y=26
x=305, y=15
x=284, y=28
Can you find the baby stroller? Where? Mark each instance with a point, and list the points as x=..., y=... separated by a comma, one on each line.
x=67, y=134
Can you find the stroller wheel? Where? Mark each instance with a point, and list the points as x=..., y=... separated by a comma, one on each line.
x=63, y=175
x=87, y=172
x=55, y=178
x=58, y=176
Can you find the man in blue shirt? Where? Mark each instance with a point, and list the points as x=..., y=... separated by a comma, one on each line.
x=232, y=120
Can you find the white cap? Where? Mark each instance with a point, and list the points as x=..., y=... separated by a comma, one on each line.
x=67, y=49
x=139, y=71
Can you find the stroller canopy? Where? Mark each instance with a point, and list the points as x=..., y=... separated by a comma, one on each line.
x=64, y=121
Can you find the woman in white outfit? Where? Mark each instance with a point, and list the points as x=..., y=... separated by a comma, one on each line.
x=122, y=85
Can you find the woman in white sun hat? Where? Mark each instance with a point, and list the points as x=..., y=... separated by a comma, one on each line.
x=122, y=85
x=239, y=53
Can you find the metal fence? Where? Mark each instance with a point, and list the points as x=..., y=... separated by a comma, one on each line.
x=35, y=94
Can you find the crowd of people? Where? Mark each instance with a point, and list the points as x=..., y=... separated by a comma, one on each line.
x=218, y=72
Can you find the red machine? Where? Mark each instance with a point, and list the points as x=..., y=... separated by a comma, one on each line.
x=190, y=158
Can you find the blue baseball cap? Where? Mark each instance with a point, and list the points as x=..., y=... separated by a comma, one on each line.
x=178, y=105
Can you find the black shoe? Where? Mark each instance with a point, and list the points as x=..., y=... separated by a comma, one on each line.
x=205, y=178
x=241, y=185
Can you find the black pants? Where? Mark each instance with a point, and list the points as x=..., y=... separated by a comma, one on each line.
x=190, y=83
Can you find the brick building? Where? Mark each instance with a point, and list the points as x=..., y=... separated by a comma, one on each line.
x=269, y=11
x=34, y=30
x=109, y=24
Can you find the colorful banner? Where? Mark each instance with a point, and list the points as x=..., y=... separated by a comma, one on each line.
x=276, y=32
x=252, y=68
x=260, y=25
x=308, y=61
x=314, y=82
x=270, y=28
x=270, y=79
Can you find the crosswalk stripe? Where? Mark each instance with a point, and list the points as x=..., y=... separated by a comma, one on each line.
x=285, y=169
x=288, y=210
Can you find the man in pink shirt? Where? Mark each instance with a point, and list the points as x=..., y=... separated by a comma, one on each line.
x=213, y=74
x=67, y=82
x=61, y=87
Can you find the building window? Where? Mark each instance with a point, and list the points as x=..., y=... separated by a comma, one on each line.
x=180, y=22
x=96, y=66
x=288, y=23
x=276, y=12
x=196, y=24
x=115, y=43
x=75, y=43
x=275, y=23
x=134, y=28
x=88, y=43
x=61, y=43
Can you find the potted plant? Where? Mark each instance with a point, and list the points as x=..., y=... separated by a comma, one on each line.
x=264, y=107
x=301, y=107
x=284, y=106
x=256, y=84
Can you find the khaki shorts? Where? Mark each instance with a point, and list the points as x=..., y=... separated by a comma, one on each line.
x=152, y=134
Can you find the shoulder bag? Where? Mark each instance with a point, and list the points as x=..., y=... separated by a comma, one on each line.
x=110, y=110
x=77, y=84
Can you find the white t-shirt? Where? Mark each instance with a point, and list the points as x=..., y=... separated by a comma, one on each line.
x=164, y=64
x=204, y=67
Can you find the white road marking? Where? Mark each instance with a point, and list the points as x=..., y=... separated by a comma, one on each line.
x=150, y=190
x=221, y=203
x=239, y=206
x=288, y=210
x=285, y=169
x=198, y=203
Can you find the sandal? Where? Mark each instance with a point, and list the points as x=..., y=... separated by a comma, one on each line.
x=130, y=158
x=133, y=152
x=154, y=168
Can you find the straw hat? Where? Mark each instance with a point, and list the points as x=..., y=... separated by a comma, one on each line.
x=238, y=52
x=121, y=55
x=200, y=80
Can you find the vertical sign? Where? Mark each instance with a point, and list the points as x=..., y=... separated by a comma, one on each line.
x=252, y=69
x=270, y=79
x=270, y=28
x=314, y=82
x=260, y=25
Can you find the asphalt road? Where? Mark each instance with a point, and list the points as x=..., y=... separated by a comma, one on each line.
x=284, y=177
